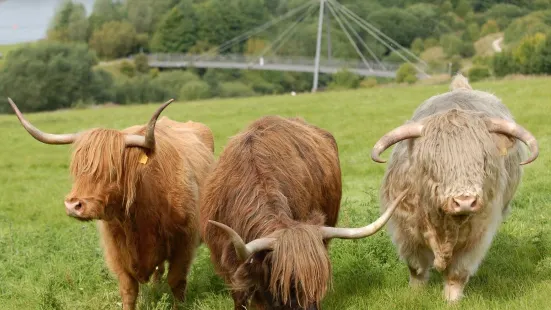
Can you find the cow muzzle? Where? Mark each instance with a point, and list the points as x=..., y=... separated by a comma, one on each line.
x=74, y=208
x=463, y=205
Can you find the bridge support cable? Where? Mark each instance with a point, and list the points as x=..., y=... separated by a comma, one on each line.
x=366, y=27
x=350, y=12
x=283, y=37
x=350, y=38
x=246, y=35
x=318, y=48
x=364, y=44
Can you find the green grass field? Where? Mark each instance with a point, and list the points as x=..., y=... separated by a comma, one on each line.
x=49, y=261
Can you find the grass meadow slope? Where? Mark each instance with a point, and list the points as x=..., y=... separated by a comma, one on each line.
x=49, y=261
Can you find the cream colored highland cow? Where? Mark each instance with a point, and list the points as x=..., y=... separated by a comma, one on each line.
x=460, y=161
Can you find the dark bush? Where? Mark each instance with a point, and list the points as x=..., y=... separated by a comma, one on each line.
x=195, y=90
x=48, y=76
x=477, y=73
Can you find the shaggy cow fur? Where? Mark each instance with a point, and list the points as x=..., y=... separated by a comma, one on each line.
x=279, y=178
x=145, y=201
x=456, y=156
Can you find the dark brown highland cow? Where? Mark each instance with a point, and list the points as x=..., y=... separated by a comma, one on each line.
x=142, y=184
x=278, y=186
x=460, y=161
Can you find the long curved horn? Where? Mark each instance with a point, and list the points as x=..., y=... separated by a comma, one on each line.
x=245, y=250
x=362, y=232
x=147, y=141
x=406, y=131
x=513, y=129
x=43, y=137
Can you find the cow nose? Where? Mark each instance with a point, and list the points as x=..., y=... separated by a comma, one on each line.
x=465, y=204
x=72, y=206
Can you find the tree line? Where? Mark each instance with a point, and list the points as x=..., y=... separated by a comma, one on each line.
x=98, y=56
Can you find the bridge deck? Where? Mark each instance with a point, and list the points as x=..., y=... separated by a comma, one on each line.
x=296, y=64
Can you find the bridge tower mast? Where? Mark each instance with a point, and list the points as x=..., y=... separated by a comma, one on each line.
x=318, y=47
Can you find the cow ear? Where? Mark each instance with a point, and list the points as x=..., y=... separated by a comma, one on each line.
x=503, y=142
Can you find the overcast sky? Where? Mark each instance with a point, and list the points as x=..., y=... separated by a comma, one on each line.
x=28, y=20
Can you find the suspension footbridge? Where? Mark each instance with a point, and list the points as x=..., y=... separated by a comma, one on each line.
x=347, y=20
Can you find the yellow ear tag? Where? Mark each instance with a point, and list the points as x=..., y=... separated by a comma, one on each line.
x=503, y=151
x=143, y=159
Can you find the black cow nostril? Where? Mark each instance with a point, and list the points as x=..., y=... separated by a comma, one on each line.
x=78, y=206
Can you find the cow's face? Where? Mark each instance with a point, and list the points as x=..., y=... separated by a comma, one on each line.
x=96, y=169
x=458, y=161
x=255, y=275
x=287, y=270
x=100, y=168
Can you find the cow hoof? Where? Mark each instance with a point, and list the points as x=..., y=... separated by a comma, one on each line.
x=453, y=293
x=417, y=283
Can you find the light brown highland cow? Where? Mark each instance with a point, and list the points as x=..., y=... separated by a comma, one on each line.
x=142, y=185
x=460, y=161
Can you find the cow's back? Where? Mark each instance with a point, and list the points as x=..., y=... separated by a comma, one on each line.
x=276, y=172
x=473, y=100
x=201, y=130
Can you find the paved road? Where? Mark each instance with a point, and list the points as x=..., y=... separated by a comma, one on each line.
x=496, y=45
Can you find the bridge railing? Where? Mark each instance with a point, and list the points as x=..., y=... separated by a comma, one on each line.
x=267, y=60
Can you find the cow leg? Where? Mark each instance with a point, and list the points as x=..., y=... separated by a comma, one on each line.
x=128, y=289
x=128, y=286
x=454, y=284
x=417, y=257
x=419, y=263
x=180, y=263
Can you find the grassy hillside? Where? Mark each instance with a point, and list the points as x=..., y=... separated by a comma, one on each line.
x=50, y=261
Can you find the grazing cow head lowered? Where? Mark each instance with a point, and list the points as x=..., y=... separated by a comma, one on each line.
x=455, y=155
x=105, y=166
x=290, y=268
x=269, y=210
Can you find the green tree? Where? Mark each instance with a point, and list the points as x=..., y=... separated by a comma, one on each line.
x=195, y=90
x=176, y=32
x=545, y=55
x=463, y=8
x=398, y=24
x=504, y=13
x=527, y=25
x=406, y=73
x=105, y=11
x=490, y=26
x=503, y=64
x=446, y=7
x=172, y=81
x=140, y=15
x=114, y=39
x=456, y=65
x=48, y=76
x=141, y=63
x=478, y=73
x=417, y=46
x=527, y=55
x=345, y=79
x=451, y=44
x=69, y=23
x=473, y=32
